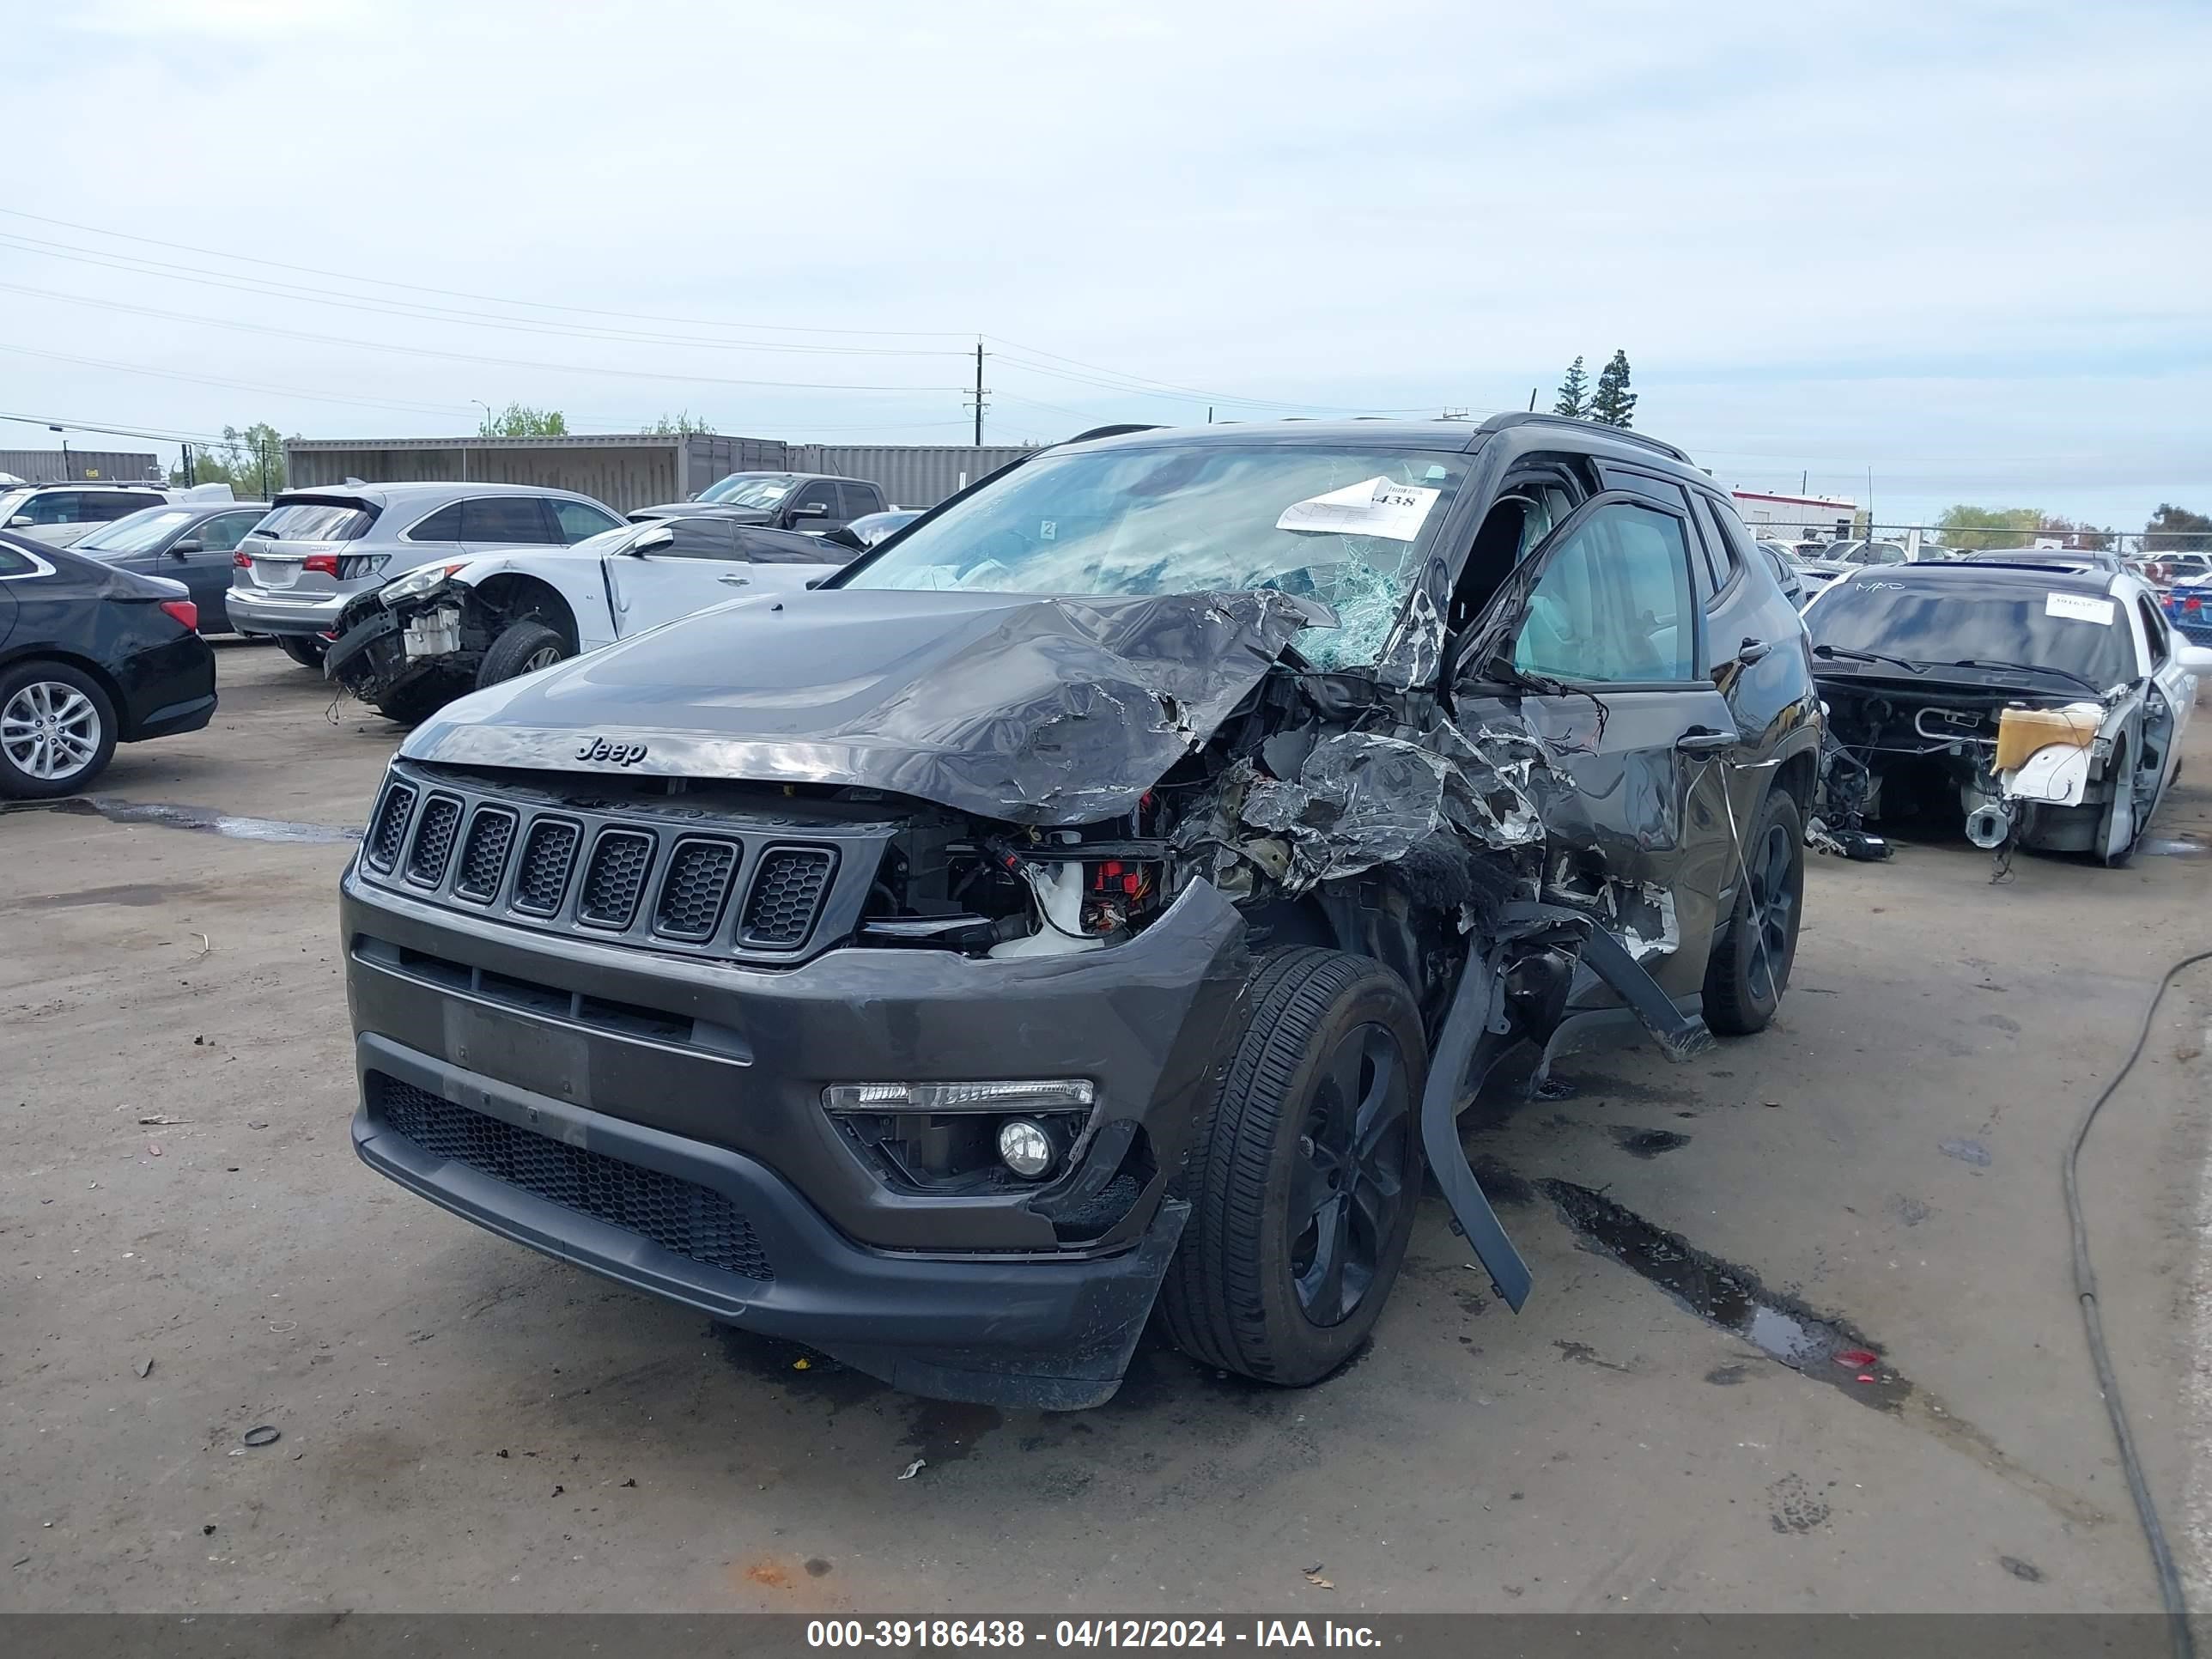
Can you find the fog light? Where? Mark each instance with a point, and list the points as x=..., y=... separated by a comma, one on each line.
x=1025, y=1147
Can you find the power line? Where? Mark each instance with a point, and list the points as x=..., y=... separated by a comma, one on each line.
x=147, y=434
x=236, y=385
x=413, y=311
x=491, y=298
x=456, y=356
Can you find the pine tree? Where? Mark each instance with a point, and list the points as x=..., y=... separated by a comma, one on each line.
x=1574, y=393
x=1615, y=403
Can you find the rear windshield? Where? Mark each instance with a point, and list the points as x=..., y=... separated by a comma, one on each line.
x=315, y=521
x=2084, y=633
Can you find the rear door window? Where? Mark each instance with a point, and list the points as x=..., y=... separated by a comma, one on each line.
x=507, y=520
x=578, y=520
x=443, y=525
x=107, y=505
x=225, y=530
x=857, y=500
x=699, y=539
x=768, y=547
x=1730, y=542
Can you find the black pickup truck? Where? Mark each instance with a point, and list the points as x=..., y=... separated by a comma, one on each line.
x=1107, y=891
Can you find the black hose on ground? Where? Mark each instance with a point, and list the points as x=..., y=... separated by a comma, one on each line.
x=2085, y=1289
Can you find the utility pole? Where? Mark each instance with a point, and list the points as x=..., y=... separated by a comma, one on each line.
x=979, y=392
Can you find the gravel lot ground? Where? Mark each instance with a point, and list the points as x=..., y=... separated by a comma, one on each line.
x=465, y=1424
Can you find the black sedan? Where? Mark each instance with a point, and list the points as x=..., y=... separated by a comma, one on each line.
x=90, y=656
x=194, y=542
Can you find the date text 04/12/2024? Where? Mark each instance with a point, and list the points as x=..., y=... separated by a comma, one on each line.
x=897, y=1633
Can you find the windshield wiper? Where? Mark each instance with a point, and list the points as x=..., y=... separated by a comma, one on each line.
x=1906, y=663
x=2030, y=668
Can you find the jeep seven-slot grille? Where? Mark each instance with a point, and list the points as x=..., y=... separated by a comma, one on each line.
x=680, y=1216
x=670, y=879
x=434, y=841
x=484, y=854
x=613, y=877
x=543, y=875
x=786, y=892
x=390, y=829
x=695, y=889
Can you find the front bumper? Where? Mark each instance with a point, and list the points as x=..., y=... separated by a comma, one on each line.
x=1052, y=1336
x=262, y=611
x=967, y=1297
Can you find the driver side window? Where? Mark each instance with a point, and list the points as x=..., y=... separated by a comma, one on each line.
x=1614, y=605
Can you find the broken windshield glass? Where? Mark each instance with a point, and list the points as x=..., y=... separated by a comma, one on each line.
x=1348, y=526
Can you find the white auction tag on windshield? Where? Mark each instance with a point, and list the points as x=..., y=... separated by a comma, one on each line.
x=2077, y=607
x=1374, y=506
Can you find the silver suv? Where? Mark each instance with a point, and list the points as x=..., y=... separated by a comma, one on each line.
x=318, y=548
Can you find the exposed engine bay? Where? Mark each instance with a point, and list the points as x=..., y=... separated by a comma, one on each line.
x=2001, y=766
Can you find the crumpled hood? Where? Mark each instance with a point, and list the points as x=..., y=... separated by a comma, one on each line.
x=1040, y=711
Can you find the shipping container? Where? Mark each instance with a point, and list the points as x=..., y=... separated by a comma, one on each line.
x=82, y=465
x=628, y=470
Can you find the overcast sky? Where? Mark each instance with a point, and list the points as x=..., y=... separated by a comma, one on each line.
x=1967, y=246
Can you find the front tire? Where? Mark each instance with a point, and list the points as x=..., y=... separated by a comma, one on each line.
x=1750, y=965
x=57, y=731
x=1303, y=1173
x=306, y=652
x=522, y=647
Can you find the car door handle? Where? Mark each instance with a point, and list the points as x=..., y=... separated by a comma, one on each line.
x=735, y=581
x=1698, y=740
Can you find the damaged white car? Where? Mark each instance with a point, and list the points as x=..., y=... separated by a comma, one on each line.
x=415, y=644
x=2032, y=705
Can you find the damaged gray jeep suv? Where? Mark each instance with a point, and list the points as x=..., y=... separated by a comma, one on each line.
x=1103, y=894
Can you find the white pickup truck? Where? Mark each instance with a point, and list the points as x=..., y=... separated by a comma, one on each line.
x=415, y=644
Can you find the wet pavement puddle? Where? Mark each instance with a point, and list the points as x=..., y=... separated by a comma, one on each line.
x=1780, y=1326
x=200, y=819
x=1825, y=1349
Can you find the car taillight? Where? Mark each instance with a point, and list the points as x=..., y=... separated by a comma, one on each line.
x=2192, y=603
x=242, y=560
x=185, y=611
x=325, y=562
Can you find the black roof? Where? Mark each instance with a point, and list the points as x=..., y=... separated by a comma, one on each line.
x=1583, y=437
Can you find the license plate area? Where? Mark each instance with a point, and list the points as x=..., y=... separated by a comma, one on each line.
x=537, y=1055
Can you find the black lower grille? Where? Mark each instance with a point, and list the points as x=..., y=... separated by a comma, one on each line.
x=547, y=854
x=434, y=841
x=390, y=829
x=786, y=892
x=695, y=889
x=484, y=854
x=614, y=875
x=680, y=1216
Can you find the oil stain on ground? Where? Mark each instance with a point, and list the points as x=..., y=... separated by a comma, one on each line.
x=1732, y=1297
x=190, y=817
x=1646, y=1142
x=1827, y=1350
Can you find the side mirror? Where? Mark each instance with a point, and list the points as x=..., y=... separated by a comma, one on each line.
x=659, y=535
x=19, y=521
x=190, y=544
x=811, y=510
x=2195, y=659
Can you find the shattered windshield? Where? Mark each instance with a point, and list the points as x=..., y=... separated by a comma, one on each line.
x=755, y=489
x=1348, y=526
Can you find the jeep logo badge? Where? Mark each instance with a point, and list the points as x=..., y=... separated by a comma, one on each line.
x=614, y=754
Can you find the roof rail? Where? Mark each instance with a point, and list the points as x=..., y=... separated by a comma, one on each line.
x=1108, y=432
x=1529, y=417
